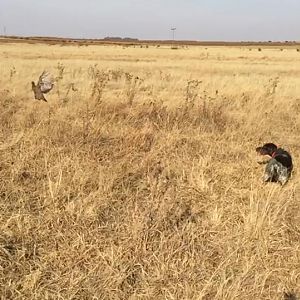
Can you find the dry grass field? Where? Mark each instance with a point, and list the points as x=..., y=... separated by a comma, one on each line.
x=139, y=178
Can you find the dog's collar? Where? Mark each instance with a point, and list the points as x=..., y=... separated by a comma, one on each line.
x=273, y=154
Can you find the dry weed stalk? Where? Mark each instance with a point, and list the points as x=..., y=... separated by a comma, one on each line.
x=116, y=75
x=191, y=94
x=192, y=91
x=61, y=71
x=100, y=79
x=133, y=83
x=60, y=76
x=71, y=87
x=272, y=86
x=86, y=116
x=164, y=76
x=12, y=72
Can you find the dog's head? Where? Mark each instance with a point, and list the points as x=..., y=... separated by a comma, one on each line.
x=267, y=149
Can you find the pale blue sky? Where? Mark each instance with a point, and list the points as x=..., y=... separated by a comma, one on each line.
x=231, y=20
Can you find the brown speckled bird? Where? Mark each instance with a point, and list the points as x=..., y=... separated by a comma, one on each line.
x=44, y=85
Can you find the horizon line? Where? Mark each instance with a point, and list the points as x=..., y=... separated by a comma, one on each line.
x=131, y=39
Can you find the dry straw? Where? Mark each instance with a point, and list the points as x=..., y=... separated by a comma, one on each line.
x=138, y=179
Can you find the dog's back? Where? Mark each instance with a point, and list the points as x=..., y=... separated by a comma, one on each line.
x=276, y=172
x=284, y=158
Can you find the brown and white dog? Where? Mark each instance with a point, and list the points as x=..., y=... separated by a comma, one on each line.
x=279, y=167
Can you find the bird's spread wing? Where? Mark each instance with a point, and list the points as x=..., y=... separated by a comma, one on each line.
x=45, y=82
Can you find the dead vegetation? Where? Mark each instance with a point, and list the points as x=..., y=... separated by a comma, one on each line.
x=141, y=181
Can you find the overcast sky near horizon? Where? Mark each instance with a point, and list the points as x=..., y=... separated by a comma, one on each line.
x=231, y=20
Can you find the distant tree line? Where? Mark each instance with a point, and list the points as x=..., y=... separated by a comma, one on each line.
x=117, y=38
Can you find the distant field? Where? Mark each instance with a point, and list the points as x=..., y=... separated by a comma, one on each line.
x=139, y=178
x=137, y=42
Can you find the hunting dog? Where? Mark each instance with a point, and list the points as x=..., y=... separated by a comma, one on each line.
x=279, y=167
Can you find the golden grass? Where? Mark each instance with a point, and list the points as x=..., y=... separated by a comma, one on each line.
x=139, y=179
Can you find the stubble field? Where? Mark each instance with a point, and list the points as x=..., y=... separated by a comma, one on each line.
x=139, y=178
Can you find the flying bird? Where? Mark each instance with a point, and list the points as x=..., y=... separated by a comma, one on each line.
x=44, y=85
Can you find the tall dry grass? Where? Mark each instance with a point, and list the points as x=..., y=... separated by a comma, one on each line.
x=139, y=180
